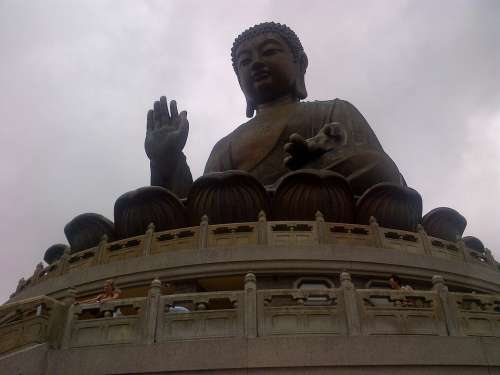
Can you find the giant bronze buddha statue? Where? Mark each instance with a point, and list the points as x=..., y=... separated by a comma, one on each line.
x=283, y=132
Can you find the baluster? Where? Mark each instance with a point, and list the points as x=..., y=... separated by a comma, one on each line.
x=203, y=232
x=447, y=304
x=320, y=224
x=424, y=238
x=250, y=305
x=101, y=248
x=351, y=304
x=262, y=229
x=64, y=261
x=148, y=239
x=69, y=300
x=376, y=232
x=152, y=311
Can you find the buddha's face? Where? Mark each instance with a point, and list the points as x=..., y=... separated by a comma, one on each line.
x=267, y=69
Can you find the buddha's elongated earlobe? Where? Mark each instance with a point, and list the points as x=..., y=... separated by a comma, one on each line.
x=250, y=105
x=300, y=84
x=250, y=108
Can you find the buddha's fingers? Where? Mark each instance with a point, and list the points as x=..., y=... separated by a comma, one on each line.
x=297, y=145
x=291, y=163
x=183, y=130
x=150, y=121
x=173, y=109
x=164, y=115
x=156, y=115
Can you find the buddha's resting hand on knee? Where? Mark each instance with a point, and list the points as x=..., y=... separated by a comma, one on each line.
x=301, y=150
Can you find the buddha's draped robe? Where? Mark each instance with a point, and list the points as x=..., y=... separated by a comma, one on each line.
x=257, y=145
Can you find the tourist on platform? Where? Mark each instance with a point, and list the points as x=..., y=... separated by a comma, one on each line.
x=110, y=292
x=396, y=284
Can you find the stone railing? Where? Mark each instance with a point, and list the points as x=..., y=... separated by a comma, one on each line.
x=262, y=232
x=31, y=321
x=218, y=314
x=111, y=322
x=299, y=311
x=344, y=311
x=477, y=314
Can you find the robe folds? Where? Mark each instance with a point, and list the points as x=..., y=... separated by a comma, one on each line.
x=257, y=146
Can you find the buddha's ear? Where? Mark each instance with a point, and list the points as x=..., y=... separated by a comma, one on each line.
x=250, y=108
x=300, y=84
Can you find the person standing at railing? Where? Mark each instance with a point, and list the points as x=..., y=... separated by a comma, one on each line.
x=110, y=292
x=174, y=308
x=396, y=284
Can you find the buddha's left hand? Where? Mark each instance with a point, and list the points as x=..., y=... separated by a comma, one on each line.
x=301, y=150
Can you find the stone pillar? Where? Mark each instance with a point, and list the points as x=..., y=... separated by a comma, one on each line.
x=69, y=297
x=20, y=285
x=350, y=304
x=101, y=248
x=148, y=240
x=152, y=314
x=250, y=305
x=424, y=238
x=203, y=242
x=448, y=306
x=64, y=265
x=463, y=251
x=69, y=300
x=262, y=229
x=38, y=271
x=320, y=224
x=376, y=233
x=489, y=256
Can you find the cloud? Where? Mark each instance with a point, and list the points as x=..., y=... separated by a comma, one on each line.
x=77, y=79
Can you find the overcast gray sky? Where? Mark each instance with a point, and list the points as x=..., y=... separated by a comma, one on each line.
x=77, y=78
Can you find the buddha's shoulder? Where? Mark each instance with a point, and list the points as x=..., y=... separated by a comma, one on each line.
x=320, y=104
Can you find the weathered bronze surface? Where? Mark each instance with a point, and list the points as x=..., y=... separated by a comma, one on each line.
x=285, y=133
x=135, y=210
x=86, y=230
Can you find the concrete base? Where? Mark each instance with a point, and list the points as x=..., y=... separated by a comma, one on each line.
x=28, y=361
x=270, y=355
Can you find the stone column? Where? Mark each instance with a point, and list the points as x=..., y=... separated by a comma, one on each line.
x=38, y=271
x=489, y=256
x=101, y=248
x=69, y=300
x=203, y=242
x=350, y=304
x=424, y=238
x=148, y=240
x=152, y=314
x=262, y=229
x=250, y=305
x=448, y=306
x=376, y=234
x=463, y=251
x=64, y=265
x=320, y=224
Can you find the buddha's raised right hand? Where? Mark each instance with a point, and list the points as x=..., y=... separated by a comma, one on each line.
x=167, y=131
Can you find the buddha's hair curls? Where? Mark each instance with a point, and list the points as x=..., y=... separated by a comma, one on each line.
x=282, y=30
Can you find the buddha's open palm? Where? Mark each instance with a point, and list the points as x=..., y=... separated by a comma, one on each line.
x=167, y=131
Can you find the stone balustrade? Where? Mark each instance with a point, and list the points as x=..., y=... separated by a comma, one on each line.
x=31, y=321
x=111, y=322
x=342, y=311
x=262, y=232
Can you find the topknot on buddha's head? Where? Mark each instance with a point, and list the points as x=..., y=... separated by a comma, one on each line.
x=282, y=30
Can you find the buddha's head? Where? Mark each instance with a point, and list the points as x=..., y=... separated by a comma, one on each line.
x=270, y=63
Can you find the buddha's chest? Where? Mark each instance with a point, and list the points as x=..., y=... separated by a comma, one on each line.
x=266, y=136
